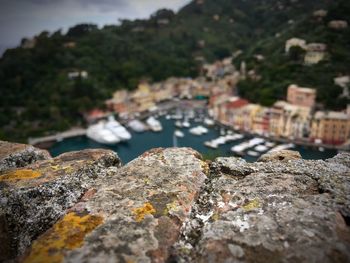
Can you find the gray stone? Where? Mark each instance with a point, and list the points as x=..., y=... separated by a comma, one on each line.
x=139, y=210
x=282, y=156
x=14, y=155
x=295, y=212
x=36, y=196
x=169, y=205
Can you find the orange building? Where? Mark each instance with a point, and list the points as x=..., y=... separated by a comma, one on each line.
x=301, y=96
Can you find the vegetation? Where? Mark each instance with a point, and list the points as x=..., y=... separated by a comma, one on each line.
x=37, y=96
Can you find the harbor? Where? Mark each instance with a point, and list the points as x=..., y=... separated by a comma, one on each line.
x=143, y=141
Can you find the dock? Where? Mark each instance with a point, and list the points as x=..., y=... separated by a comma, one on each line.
x=57, y=137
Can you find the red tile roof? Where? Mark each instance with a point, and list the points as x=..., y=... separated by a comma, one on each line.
x=237, y=104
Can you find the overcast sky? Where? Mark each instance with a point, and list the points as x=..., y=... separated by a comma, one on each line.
x=25, y=18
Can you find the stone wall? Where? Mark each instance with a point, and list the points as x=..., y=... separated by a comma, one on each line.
x=169, y=205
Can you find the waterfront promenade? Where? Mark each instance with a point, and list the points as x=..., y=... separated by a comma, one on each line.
x=58, y=136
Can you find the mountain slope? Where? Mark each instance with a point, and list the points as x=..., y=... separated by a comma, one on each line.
x=37, y=95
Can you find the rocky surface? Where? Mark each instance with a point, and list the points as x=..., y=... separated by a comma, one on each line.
x=278, y=211
x=19, y=155
x=34, y=197
x=169, y=205
x=282, y=156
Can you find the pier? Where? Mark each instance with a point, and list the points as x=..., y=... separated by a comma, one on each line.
x=46, y=140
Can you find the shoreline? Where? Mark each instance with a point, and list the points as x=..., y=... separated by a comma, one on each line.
x=46, y=142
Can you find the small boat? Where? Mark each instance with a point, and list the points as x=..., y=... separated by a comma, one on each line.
x=199, y=130
x=179, y=133
x=177, y=115
x=178, y=124
x=168, y=117
x=220, y=140
x=196, y=131
x=252, y=153
x=186, y=124
x=154, y=124
x=240, y=148
x=202, y=129
x=270, y=144
x=137, y=126
x=321, y=149
x=261, y=148
x=209, y=122
x=117, y=129
x=99, y=133
x=255, y=141
x=211, y=144
x=222, y=132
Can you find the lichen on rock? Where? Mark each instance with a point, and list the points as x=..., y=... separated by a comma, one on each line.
x=67, y=234
x=34, y=197
x=169, y=205
x=15, y=155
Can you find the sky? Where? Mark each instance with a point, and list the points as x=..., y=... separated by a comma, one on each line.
x=26, y=18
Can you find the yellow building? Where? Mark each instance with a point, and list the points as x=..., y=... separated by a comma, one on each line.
x=142, y=98
x=330, y=127
x=289, y=121
x=119, y=102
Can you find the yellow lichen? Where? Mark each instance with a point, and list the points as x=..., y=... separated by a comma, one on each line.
x=55, y=167
x=68, y=169
x=215, y=217
x=21, y=174
x=142, y=211
x=205, y=167
x=251, y=205
x=67, y=234
x=173, y=206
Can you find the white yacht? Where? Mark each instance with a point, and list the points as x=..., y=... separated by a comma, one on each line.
x=178, y=124
x=117, y=129
x=154, y=124
x=179, y=133
x=252, y=153
x=211, y=144
x=261, y=148
x=99, y=133
x=137, y=126
x=209, y=122
x=186, y=123
x=199, y=130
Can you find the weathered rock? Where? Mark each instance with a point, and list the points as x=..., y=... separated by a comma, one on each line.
x=14, y=155
x=34, y=197
x=134, y=216
x=295, y=212
x=283, y=156
x=167, y=205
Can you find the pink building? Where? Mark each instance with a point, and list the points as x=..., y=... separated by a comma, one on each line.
x=301, y=96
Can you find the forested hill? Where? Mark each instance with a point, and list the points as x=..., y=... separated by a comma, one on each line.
x=37, y=96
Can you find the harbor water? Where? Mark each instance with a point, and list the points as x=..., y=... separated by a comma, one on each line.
x=141, y=142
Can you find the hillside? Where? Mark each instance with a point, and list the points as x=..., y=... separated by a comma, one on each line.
x=37, y=96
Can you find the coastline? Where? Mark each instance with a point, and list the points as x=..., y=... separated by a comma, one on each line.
x=47, y=142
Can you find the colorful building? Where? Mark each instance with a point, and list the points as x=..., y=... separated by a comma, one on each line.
x=315, y=52
x=331, y=127
x=289, y=121
x=300, y=96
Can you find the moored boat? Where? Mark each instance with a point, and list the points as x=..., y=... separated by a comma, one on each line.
x=154, y=124
x=99, y=133
x=137, y=126
x=117, y=129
